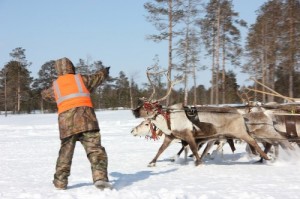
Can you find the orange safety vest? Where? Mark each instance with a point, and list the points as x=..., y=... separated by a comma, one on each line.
x=70, y=92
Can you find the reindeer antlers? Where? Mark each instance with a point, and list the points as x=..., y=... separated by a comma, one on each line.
x=245, y=97
x=151, y=83
x=176, y=81
x=173, y=83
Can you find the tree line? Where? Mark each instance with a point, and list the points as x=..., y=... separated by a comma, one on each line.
x=272, y=45
x=21, y=93
x=194, y=29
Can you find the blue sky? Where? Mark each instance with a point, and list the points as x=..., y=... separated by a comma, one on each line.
x=111, y=31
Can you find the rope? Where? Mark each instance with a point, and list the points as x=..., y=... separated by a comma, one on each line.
x=278, y=139
x=258, y=123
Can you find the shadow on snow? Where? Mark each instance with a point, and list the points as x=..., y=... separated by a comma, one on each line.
x=124, y=180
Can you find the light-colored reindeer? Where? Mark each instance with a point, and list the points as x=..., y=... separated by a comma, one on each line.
x=146, y=128
x=266, y=123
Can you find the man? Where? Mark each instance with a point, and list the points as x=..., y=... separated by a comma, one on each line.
x=77, y=121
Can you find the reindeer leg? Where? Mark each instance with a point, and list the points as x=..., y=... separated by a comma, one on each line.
x=252, y=149
x=267, y=149
x=276, y=151
x=200, y=143
x=253, y=143
x=219, y=149
x=231, y=144
x=178, y=154
x=189, y=138
x=184, y=144
x=193, y=146
x=168, y=139
x=183, y=147
x=207, y=148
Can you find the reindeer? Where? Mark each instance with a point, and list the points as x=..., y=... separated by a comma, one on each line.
x=226, y=123
x=285, y=117
x=267, y=126
x=221, y=122
x=261, y=127
x=146, y=128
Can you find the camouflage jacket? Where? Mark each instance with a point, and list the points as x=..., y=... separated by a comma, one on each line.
x=79, y=119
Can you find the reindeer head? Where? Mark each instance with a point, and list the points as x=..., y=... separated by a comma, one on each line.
x=142, y=129
x=148, y=108
x=147, y=129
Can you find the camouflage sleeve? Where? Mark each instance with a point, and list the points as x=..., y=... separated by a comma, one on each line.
x=93, y=81
x=48, y=95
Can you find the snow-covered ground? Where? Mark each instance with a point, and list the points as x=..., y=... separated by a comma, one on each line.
x=29, y=146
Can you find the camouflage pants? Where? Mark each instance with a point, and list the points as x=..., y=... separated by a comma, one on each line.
x=96, y=154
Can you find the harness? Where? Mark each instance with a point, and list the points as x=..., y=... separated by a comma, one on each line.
x=158, y=110
x=192, y=114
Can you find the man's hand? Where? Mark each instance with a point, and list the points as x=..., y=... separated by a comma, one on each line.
x=106, y=72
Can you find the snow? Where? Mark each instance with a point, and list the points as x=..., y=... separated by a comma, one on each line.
x=30, y=143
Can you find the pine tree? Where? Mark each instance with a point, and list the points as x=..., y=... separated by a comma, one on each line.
x=18, y=81
x=165, y=15
x=188, y=45
x=82, y=67
x=291, y=48
x=122, y=90
x=46, y=75
x=221, y=38
x=271, y=45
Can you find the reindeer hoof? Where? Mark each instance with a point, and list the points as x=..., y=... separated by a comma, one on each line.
x=266, y=158
x=173, y=159
x=198, y=163
x=152, y=164
x=259, y=161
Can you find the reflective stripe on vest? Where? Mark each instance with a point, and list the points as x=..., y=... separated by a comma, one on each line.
x=60, y=99
x=74, y=95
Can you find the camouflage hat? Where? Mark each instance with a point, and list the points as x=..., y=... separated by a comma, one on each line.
x=64, y=66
